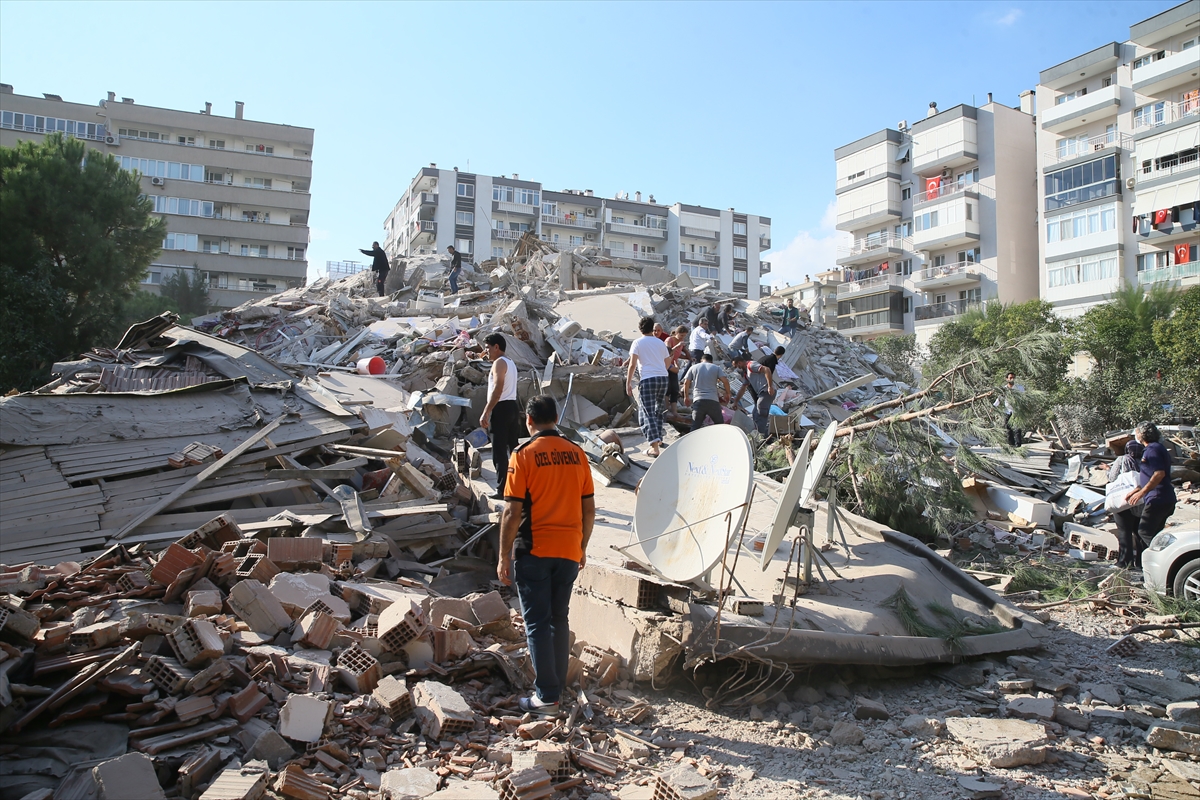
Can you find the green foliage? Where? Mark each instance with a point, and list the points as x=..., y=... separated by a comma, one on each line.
x=188, y=291
x=144, y=305
x=1178, y=338
x=899, y=353
x=76, y=239
x=954, y=626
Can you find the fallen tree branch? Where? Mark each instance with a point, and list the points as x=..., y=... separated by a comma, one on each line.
x=925, y=412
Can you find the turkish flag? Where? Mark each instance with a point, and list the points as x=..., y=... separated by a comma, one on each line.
x=1183, y=253
x=883, y=267
x=1162, y=216
x=933, y=187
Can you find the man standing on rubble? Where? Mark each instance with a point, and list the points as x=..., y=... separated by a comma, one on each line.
x=455, y=268
x=759, y=378
x=379, y=265
x=701, y=392
x=1016, y=436
x=652, y=360
x=548, y=516
x=741, y=342
x=791, y=317
x=501, y=413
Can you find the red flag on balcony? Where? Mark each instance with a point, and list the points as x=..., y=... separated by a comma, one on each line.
x=1183, y=253
x=933, y=187
x=1161, y=216
x=883, y=267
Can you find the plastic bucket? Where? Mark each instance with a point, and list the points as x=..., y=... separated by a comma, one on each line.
x=371, y=366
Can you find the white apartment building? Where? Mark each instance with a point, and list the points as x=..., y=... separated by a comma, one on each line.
x=484, y=216
x=942, y=218
x=1119, y=178
x=234, y=192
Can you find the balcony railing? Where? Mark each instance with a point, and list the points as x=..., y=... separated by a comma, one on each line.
x=1171, y=112
x=428, y=198
x=700, y=258
x=247, y=186
x=421, y=226
x=34, y=129
x=960, y=268
x=764, y=268
x=882, y=207
x=638, y=230
x=866, y=175
x=764, y=290
x=871, y=244
x=939, y=310
x=1172, y=273
x=701, y=233
x=1184, y=163
x=764, y=242
x=875, y=284
x=1074, y=148
x=636, y=255
x=507, y=235
x=517, y=208
x=950, y=189
x=571, y=222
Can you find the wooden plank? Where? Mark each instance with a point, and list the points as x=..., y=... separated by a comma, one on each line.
x=57, y=532
x=212, y=470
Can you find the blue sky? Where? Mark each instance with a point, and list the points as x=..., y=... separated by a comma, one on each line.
x=717, y=104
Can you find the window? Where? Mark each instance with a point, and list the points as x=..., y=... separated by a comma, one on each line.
x=214, y=246
x=968, y=178
x=180, y=241
x=256, y=216
x=1149, y=261
x=1106, y=82
x=497, y=252
x=1149, y=115
x=1069, y=96
x=926, y=221
x=296, y=253
x=1072, y=146
x=907, y=305
x=969, y=256
x=512, y=194
x=904, y=267
x=216, y=144
x=464, y=245
x=133, y=133
x=658, y=223
x=179, y=205
x=704, y=273
x=187, y=141
x=30, y=122
x=575, y=240
x=464, y=217
x=257, y=183
x=1085, y=222
x=1084, y=270
x=970, y=210
x=1110, y=133
x=265, y=149
x=1088, y=181
x=618, y=220
x=216, y=177
x=971, y=295
x=550, y=209
x=1149, y=59
x=906, y=193
x=739, y=229
x=466, y=190
x=153, y=277
x=739, y=276
x=938, y=299
x=739, y=252
x=256, y=250
x=1173, y=161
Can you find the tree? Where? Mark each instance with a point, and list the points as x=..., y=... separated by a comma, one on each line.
x=1178, y=337
x=899, y=353
x=188, y=292
x=77, y=238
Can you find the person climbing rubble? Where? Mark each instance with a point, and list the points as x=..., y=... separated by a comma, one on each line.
x=651, y=359
x=501, y=413
x=379, y=265
x=759, y=378
x=702, y=392
x=455, y=268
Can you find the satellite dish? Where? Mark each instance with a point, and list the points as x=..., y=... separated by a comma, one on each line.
x=789, y=501
x=816, y=465
x=679, y=519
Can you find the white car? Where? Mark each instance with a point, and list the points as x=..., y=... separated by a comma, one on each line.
x=1171, y=564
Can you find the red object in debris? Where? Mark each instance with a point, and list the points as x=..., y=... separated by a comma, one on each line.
x=371, y=366
x=377, y=479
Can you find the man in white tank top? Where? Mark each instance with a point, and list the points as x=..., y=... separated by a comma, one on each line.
x=501, y=415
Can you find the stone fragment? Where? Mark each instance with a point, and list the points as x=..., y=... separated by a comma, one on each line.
x=808, y=695
x=920, y=726
x=441, y=710
x=1104, y=692
x=965, y=675
x=1173, y=691
x=1015, y=686
x=866, y=708
x=1025, y=706
x=1001, y=742
x=296, y=592
x=1072, y=718
x=1169, y=739
x=978, y=790
x=257, y=607
x=684, y=782
x=837, y=690
x=303, y=717
x=408, y=784
x=846, y=733
x=1186, y=711
x=130, y=777
x=1184, y=770
x=248, y=782
x=271, y=748
x=489, y=607
x=203, y=603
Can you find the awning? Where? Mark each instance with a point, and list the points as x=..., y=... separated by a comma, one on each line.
x=1179, y=194
x=1168, y=143
x=902, y=153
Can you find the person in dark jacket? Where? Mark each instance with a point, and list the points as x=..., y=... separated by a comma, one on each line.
x=1156, y=492
x=455, y=268
x=379, y=265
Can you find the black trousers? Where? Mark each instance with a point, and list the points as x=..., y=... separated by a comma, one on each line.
x=1016, y=436
x=706, y=409
x=505, y=426
x=380, y=280
x=1154, y=519
x=1127, y=525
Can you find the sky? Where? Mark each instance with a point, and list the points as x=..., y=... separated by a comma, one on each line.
x=710, y=103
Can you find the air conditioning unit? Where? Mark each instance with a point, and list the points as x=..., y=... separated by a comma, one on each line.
x=112, y=139
x=947, y=172
x=589, y=212
x=591, y=237
x=156, y=181
x=433, y=183
x=1130, y=183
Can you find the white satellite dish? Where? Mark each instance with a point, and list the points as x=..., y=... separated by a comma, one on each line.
x=789, y=501
x=816, y=465
x=680, y=517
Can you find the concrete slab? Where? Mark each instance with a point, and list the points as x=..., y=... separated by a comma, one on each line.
x=130, y=777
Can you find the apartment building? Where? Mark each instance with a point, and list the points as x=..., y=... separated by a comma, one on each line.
x=941, y=216
x=818, y=294
x=234, y=192
x=485, y=216
x=1119, y=178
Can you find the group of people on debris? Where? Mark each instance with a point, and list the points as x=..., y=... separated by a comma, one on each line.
x=1151, y=501
x=381, y=266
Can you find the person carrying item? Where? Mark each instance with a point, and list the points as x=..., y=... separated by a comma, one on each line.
x=759, y=378
x=379, y=265
x=455, y=268
x=699, y=339
x=1156, y=493
x=701, y=392
x=791, y=317
x=651, y=358
x=501, y=414
x=1127, y=520
x=549, y=511
x=726, y=320
x=741, y=342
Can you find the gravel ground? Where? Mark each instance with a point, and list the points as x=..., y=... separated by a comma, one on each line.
x=806, y=743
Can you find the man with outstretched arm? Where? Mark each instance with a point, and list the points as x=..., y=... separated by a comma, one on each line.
x=549, y=511
x=379, y=265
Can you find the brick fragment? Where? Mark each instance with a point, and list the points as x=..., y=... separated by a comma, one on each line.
x=359, y=669
x=174, y=560
x=393, y=695
x=441, y=710
x=196, y=642
x=295, y=782
x=248, y=702
x=315, y=630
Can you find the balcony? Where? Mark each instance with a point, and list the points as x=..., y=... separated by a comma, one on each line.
x=636, y=255
x=953, y=228
x=1177, y=69
x=699, y=233
x=764, y=268
x=872, y=248
x=936, y=311
x=700, y=258
x=1171, y=274
x=1165, y=113
x=637, y=230
x=516, y=208
x=949, y=190
x=764, y=290
x=961, y=150
x=575, y=221
x=880, y=283
x=423, y=228
x=428, y=198
x=866, y=215
x=962, y=273
x=865, y=176
x=507, y=235
x=868, y=324
x=1072, y=148
x=764, y=243
x=1093, y=106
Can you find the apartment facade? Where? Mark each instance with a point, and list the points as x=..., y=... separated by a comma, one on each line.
x=1119, y=177
x=485, y=216
x=941, y=218
x=818, y=295
x=234, y=192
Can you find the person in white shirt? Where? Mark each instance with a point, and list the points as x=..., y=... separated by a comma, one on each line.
x=651, y=358
x=699, y=339
x=501, y=413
